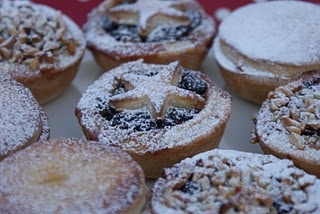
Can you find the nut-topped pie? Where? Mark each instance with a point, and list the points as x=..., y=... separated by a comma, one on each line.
x=288, y=123
x=227, y=181
x=39, y=47
x=159, y=114
x=159, y=31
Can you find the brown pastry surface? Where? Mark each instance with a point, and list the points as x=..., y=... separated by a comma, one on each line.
x=229, y=181
x=157, y=31
x=287, y=125
x=263, y=45
x=22, y=120
x=68, y=175
x=159, y=114
x=40, y=47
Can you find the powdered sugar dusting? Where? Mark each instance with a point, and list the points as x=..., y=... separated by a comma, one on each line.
x=98, y=39
x=214, y=115
x=22, y=119
x=147, y=10
x=69, y=176
x=288, y=121
x=55, y=41
x=276, y=31
x=225, y=180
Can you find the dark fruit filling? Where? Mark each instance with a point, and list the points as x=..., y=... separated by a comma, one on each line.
x=129, y=33
x=192, y=83
x=141, y=120
x=191, y=188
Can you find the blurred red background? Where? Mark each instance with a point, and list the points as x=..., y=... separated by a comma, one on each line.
x=78, y=9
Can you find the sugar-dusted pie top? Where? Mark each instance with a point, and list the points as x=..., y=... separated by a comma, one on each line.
x=143, y=27
x=157, y=93
x=70, y=176
x=149, y=14
x=284, y=32
x=226, y=181
x=149, y=107
x=289, y=120
x=22, y=120
x=36, y=38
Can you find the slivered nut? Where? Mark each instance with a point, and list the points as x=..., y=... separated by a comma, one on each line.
x=286, y=121
x=297, y=140
x=32, y=37
x=286, y=91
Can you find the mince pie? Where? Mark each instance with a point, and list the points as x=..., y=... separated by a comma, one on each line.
x=158, y=113
x=68, y=175
x=39, y=47
x=22, y=120
x=288, y=123
x=226, y=181
x=266, y=44
x=159, y=31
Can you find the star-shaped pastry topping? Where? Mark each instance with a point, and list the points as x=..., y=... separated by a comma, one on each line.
x=157, y=93
x=148, y=14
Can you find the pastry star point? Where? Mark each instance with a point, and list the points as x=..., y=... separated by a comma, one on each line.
x=157, y=93
x=148, y=14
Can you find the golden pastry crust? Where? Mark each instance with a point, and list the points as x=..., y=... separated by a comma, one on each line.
x=287, y=125
x=159, y=114
x=157, y=31
x=226, y=181
x=68, y=175
x=39, y=47
x=263, y=45
x=22, y=120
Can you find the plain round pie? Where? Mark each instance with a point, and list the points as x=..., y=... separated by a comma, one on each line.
x=22, y=120
x=69, y=175
x=262, y=45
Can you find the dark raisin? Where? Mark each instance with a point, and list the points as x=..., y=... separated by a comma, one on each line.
x=191, y=188
x=282, y=207
x=195, y=19
x=193, y=83
x=310, y=82
x=126, y=33
x=200, y=163
x=168, y=33
x=104, y=109
x=135, y=120
x=119, y=89
x=106, y=23
x=175, y=116
x=310, y=131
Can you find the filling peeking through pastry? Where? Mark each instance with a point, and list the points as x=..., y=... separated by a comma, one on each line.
x=31, y=36
x=298, y=111
x=150, y=21
x=220, y=185
x=164, y=98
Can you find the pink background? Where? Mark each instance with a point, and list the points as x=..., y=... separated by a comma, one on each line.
x=78, y=9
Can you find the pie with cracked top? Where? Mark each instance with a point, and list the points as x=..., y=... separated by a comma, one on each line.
x=40, y=47
x=158, y=113
x=159, y=31
x=228, y=181
x=288, y=122
x=69, y=175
